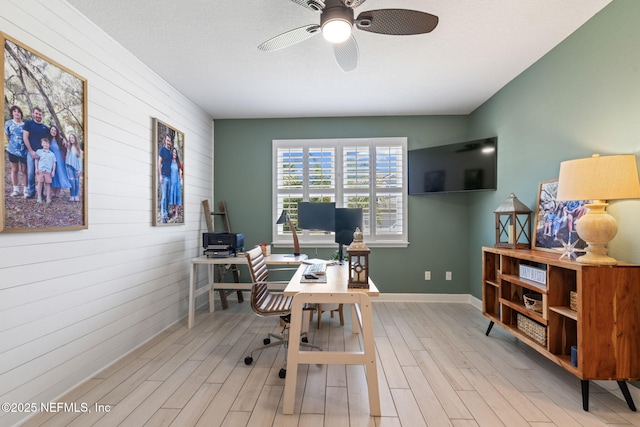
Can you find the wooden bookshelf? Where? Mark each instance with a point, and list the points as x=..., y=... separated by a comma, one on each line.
x=604, y=328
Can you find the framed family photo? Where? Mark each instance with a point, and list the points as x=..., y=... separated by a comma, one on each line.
x=168, y=175
x=555, y=220
x=44, y=156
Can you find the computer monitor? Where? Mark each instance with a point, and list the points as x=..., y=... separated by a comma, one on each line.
x=316, y=216
x=346, y=221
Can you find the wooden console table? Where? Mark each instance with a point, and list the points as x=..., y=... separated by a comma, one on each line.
x=602, y=327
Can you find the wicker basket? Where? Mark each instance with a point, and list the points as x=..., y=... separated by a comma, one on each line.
x=573, y=301
x=533, y=302
x=532, y=329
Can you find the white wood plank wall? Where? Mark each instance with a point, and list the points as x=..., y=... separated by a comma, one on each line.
x=71, y=303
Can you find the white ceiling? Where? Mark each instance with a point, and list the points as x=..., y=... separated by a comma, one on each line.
x=207, y=49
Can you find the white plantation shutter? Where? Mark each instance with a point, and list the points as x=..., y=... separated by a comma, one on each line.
x=289, y=184
x=390, y=190
x=355, y=173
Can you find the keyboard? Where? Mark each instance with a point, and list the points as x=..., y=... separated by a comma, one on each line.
x=316, y=270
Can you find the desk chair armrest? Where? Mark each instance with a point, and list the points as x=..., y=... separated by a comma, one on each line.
x=277, y=285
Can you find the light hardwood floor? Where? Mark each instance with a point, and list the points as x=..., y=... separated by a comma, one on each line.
x=436, y=367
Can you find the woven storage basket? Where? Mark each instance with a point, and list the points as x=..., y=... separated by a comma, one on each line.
x=533, y=302
x=532, y=329
x=573, y=301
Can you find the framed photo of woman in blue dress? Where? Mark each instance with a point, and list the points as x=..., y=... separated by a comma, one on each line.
x=44, y=187
x=168, y=176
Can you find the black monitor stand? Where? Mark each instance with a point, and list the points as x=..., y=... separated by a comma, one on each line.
x=340, y=254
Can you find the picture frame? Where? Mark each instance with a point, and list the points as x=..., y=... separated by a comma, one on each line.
x=42, y=99
x=168, y=174
x=555, y=220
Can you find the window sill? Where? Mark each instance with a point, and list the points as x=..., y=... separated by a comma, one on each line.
x=332, y=245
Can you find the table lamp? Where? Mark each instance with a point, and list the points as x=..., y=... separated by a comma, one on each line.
x=598, y=179
x=284, y=217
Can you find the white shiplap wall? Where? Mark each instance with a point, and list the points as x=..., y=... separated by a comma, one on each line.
x=73, y=302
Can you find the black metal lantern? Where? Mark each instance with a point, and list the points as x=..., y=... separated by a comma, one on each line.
x=358, y=262
x=513, y=224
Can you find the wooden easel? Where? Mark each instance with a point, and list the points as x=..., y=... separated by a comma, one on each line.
x=223, y=214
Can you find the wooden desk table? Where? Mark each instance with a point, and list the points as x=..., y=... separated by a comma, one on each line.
x=334, y=291
x=211, y=262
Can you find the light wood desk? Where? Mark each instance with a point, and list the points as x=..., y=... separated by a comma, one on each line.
x=211, y=262
x=333, y=291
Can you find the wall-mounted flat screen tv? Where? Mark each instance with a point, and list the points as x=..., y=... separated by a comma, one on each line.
x=465, y=166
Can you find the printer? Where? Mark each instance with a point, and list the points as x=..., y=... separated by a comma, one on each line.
x=220, y=244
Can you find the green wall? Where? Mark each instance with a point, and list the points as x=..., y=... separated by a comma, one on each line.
x=580, y=98
x=438, y=225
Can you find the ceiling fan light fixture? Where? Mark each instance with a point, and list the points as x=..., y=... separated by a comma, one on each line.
x=336, y=24
x=336, y=31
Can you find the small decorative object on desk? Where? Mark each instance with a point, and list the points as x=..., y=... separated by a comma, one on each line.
x=266, y=249
x=533, y=302
x=358, y=262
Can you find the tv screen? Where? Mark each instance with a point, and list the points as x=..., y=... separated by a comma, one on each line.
x=316, y=216
x=347, y=219
x=466, y=166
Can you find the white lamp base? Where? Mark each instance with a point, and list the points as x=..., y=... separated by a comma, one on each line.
x=597, y=228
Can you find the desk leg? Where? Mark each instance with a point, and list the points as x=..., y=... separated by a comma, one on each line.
x=211, y=279
x=370, y=355
x=355, y=319
x=292, y=355
x=192, y=289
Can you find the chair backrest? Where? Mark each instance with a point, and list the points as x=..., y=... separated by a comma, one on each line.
x=263, y=302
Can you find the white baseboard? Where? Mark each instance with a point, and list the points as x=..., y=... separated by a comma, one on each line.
x=452, y=298
x=391, y=297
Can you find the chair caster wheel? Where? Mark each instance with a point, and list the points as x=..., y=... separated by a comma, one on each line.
x=304, y=339
x=282, y=373
x=266, y=341
x=248, y=360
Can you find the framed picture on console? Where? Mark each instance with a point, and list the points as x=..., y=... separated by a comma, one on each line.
x=555, y=220
x=44, y=160
x=168, y=175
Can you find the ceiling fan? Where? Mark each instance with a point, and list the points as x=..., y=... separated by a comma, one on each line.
x=337, y=21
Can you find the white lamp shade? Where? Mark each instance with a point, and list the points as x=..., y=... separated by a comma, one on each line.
x=599, y=178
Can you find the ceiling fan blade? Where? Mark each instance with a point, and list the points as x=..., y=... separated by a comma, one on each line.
x=316, y=5
x=290, y=38
x=346, y=54
x=353, y=3
x=399, y=22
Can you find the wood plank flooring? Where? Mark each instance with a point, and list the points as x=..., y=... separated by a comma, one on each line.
x=436, y=367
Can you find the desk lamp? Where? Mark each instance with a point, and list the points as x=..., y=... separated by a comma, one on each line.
x=284, y=218
x=598, y=179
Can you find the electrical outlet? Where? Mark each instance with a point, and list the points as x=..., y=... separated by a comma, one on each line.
x=447, y=275
x=427, y=275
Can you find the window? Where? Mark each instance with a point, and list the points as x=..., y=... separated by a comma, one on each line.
x=354, y=173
